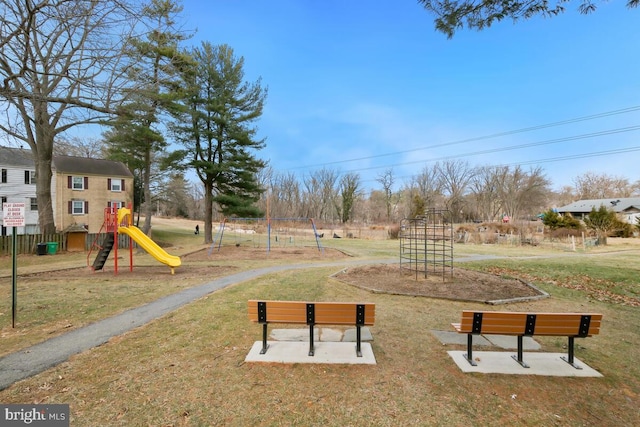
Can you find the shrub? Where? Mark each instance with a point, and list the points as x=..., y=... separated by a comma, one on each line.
x=394, y=231
x=623, y=230
x=560, y=233
x=554, y=221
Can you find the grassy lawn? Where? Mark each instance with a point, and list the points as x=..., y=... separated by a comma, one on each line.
x=188, y=368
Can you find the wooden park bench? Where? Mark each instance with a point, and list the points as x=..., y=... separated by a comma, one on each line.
x=572, y=325
x=312, y=313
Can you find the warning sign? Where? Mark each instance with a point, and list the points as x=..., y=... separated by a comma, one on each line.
x=13, y=214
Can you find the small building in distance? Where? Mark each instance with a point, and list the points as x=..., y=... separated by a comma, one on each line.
x=627, y=208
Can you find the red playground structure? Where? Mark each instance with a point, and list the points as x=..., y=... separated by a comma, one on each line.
x=119, y=221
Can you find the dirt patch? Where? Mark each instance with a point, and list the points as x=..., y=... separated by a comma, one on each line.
x=457, y=284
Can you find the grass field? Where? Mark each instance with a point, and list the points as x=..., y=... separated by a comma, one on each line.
x=188, y=368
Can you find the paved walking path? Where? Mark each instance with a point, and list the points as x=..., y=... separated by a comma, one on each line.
x=40, y=357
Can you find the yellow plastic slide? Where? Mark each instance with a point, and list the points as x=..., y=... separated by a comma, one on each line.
x=150, y=246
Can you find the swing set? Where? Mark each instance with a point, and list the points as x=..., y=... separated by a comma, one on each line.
x=244, y=230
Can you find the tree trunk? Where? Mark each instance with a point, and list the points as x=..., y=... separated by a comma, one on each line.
x=42, y=151
x=208, y=213
x=46, y=220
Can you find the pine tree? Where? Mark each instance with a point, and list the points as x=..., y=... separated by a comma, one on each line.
x=213, y=121
x=138, y=130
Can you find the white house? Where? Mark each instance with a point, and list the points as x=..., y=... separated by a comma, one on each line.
x=18, y=185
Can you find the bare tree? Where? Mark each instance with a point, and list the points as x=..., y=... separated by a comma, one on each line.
x=635, y=187
x=484, y=193
x=60, y=65
x=455, y=176
x=328, y=184
x=289, y=195
x=387, y=179
x=600, y=186
x=562, y=197
x=520, y=191
x=196, y=195
x=174, y=196
x=91, y=148
x=266, y=179
x=282, y=197
x=320, y=194
x=429, y=185
x=311, y=196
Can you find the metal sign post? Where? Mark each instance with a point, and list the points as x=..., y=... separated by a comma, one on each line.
x=14, y=278
x=13, y=216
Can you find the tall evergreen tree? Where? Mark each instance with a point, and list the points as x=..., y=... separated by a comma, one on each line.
x=349, y=192
x=138, y=132
x=214, y=122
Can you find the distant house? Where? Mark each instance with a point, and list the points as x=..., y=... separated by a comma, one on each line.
x=627, y=208
x=81, y=188
x=18, y=185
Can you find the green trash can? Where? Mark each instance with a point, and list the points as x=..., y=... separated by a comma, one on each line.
x=52, y=248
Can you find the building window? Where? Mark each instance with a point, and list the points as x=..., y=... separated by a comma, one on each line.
x=115, y=184
x=78, y=207
x=77, y=183
x=116, y=204
x=4, y=176
x=34, y=204
x=29, y=177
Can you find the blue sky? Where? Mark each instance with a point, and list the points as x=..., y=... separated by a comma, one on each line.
x=367, y=86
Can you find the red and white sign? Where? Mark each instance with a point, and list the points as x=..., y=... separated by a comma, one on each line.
x=13, y=214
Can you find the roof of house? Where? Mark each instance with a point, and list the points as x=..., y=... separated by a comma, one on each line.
x=18, y=157
x=21, y=157
x=616, y=204
x=84, y=165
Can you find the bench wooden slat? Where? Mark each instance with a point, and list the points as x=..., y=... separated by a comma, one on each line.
x=311, y=313
x=326, y=313
x=342, y=313
x=281, y=312
x=551, y=325
x=512, y=323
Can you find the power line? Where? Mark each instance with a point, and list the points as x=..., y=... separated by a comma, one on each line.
x=578, y=156
x=508, y=148
x=475, y=139
x=558, y=159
